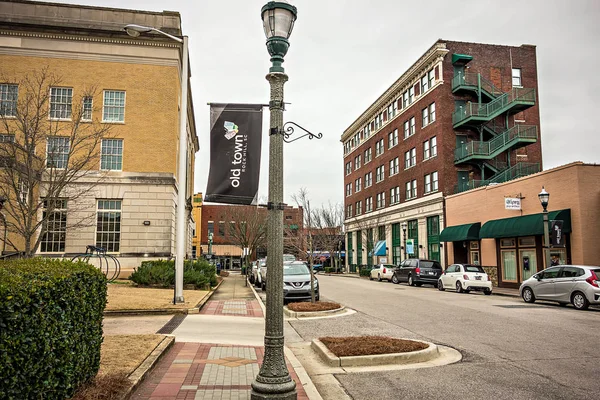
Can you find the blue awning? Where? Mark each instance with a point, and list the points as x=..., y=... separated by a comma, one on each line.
x=379, y=249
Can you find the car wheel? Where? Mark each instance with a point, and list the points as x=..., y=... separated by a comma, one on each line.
x=370, y=277
x=395, y=280
x=579, y=301
x=459, y=288
x=410, y=281
x=528, y=296
x=263, y=286
x=440, y=286
x=487, y=292
x=379, y=277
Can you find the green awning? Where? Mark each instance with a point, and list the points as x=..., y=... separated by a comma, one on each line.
x=527, y=225
x=459, y=233
x=461, y=59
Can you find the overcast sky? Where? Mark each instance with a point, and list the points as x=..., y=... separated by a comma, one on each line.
x=344, y=54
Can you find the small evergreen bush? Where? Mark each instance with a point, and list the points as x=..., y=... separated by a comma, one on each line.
x=365, y=271
x=161, y=273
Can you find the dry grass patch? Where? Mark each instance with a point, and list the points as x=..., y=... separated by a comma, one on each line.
x=126, y=297
x=369, y=345
x=103, y=387
x=316, y=306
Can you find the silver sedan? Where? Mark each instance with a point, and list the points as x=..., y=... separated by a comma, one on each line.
x=575, y=284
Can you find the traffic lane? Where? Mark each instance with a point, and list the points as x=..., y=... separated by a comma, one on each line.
x=461, y=381
x=483, y=325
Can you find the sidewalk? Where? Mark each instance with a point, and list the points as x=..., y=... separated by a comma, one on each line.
x=217, y=353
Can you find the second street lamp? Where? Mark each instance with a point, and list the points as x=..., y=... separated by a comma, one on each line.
x=404, y=233
x=544, y=198
x=274, y=381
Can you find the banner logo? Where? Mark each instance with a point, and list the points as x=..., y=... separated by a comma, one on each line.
x=231, y=129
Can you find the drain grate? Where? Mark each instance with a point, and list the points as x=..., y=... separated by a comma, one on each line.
x=517, y=306
x=172, y=324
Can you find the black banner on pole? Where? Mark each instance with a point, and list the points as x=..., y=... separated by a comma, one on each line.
x=556, y=233
x=235, y=148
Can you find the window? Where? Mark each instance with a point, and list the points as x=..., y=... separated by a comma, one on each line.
x=108, y=228
x=348, y=168
x=55, y=227
x=368, y=204
x=57, y=152
x=348, y=189
x=357, y=162
x=211, y=227
x=23, y=194
x=516, y=77
x=358, y=207
x=380, y=200
x=9, y=94
x=394, y=168
x=425, y=116
x=411, y=189
x=349, y=211
x=431, y=184
x=379, y=173
x=379, y=147
x=111, y=156
x=431, y=77
x=411, y=95
x=114, y=106
x=368, y=179
x=61, y=100
x=395, y=195
x=430, y=148
x=86, y=112
x=409, y=127
x=432, y=112
x=221, y=228
x=393, y=138
x=357, y=184
x=405, y=99
x=367, y=155
x=412, y=126
x=424, y=84
x=7, y=138
x=410, y=158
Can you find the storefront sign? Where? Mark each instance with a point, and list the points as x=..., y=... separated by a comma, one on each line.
x=512, y=203
x=556, y=233
x=383, y=260
x=410, y=246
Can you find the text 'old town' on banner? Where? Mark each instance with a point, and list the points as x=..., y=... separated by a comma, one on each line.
x=235, y=148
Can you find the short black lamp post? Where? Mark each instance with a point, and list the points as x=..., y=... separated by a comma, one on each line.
x=544, y=198
x=404, y=225
x=2, y=201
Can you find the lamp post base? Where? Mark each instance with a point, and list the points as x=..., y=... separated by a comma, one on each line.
x=274, y=391
x=179, y=299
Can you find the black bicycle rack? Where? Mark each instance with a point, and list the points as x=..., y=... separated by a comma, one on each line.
x=109, y=265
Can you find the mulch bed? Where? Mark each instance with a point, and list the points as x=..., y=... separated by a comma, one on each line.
x=103, y=387
x=316, y=306
x=369, y=345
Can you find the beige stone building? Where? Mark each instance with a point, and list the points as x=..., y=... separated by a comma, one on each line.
x=138, y=92
x=482, y=229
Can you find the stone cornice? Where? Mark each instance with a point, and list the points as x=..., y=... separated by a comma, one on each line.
x=97, y=39
x=435, y=52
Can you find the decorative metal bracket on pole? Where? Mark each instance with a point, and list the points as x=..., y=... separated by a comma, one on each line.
x=288, y=130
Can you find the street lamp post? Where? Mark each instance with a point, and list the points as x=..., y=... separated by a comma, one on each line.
x=274, y=381
x=404, y=225
x=544, y=197
x=180, y=238
x=2, y=200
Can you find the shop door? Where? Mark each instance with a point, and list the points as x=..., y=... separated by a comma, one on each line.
x=463, y=180
x=528, y=263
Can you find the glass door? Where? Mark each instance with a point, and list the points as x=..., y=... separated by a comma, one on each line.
x=509, y=265
x=528, y=263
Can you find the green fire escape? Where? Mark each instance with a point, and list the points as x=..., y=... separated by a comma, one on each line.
x=495, y=139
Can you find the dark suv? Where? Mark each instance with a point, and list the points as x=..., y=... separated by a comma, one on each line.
x=417, y=272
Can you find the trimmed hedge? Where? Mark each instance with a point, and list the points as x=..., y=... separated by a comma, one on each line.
x=329, y=270
x=365, y=271
x=50, y=327
x=199, y=273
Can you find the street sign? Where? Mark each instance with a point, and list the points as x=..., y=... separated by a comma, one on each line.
x=556, y=233
x=410, y=246
x=512, y=203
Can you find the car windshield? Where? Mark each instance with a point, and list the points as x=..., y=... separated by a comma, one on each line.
x=288, y=257
x=295, y=269
x=473, y=268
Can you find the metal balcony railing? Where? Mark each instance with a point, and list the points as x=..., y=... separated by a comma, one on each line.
x=472, y=81
x=490, y=149
x=518, y=170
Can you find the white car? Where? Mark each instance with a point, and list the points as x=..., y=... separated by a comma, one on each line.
x=382, y=271
x=464, y=278
x=256, y=272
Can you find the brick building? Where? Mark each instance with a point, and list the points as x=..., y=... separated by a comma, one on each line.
x=463, y=115
x=221, y=220
x=509, y=241
x=137, y=81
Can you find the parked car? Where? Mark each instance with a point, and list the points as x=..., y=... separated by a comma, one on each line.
x=575, y=284
x=252, y=272
x=318, y=267
x=296, y=281
x=416, y=271
x=464, y=278
x=262, y=275
x=289, y=257
x=256, y=272
x=382, y=271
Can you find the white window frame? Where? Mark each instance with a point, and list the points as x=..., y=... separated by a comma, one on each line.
x=357, y=185
x=393, y=138
x=63, y=161
x=395, y=195
x=518, y=76
x=380, y=200
x=349, y=189
x=424, y=117
x=433, y=146
x=368, y=180
x=368, y=155
x=431, y=77
x=426, y=150
x=413, y=156
x=357, y=162
x=348, y=168
x=408, y=193
x=411, y=95
x=414, y=189
x=111, y=158
x=406, y=129
x=427, y=183
x=394, y=167
x=60, y=103
x=380, y=173
x=412, y=126
x=9, y=97
x=111, y=107
x=368, y=204
x=358, y=207
x=432, y=113
x=55, y=228
x=349, y=211
x=434, y=181
x=87, y=108
x=109, y=210
x=424, y=84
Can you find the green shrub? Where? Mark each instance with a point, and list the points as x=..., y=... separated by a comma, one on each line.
x=329, y=270
x=161, y=273
x=365, y=271
x=50, y=327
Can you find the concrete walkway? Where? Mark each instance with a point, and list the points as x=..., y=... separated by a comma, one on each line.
x=217, y=353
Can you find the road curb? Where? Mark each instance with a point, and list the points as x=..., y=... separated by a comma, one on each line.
x=428, y=354
x=343, y=275
x=311, y=314
x=140, y=373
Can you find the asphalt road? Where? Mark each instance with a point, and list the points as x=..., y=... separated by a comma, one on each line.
x=511, y=350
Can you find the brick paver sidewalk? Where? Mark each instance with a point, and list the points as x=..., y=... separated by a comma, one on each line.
x=206, y=371
x=242, y=308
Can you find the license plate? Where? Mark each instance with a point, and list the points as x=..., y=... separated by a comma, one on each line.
x=431, y=273
x=478, y=278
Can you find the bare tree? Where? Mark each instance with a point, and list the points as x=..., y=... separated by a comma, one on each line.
x=49, y=156
x=301, y=199
x=329, y=220
x=247, y=227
